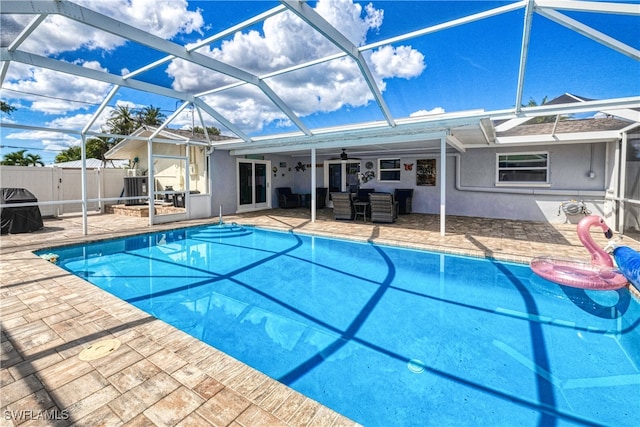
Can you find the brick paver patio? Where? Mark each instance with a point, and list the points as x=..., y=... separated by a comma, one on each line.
x=160, y=376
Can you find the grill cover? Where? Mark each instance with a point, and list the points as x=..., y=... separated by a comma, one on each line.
x=19, y=219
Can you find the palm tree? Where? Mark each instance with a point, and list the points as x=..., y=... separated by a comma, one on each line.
x=34, y=159
x=15, y=158
x=150, y=116
x=121, y=121
x=69, y=155
x=18, y=158
x=542, y=119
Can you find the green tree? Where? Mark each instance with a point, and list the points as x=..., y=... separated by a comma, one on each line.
x=542, y=119
x=34, y=160
x=6, y=108
x=121, y=121
x=16, y=158
x=149, y=116
x=124, y=120
x=210, y=129
x=69, y=155
x=98, y=147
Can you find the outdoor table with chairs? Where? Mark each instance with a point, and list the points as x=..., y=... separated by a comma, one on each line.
x=369, y=204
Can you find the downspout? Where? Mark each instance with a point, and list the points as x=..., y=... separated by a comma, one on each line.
x=615, y=183
x=623, y=180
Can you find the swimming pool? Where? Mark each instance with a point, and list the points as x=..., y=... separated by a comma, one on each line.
x=385, y=335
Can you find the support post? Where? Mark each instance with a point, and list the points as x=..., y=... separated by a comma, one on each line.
x=313, y=185
x=443, y=183
x=83, y=180
x=151, y=188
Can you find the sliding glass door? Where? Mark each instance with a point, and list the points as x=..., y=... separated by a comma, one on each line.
x=254, y=184
x=341, y=175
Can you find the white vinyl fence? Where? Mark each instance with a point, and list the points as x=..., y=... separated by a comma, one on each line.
x=53, y=184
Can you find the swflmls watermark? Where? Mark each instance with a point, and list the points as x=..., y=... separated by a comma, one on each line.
x=26, y=415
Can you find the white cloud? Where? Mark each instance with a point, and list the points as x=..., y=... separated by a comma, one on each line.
x=54, y=141
x=436, y=110
x=286, y=41
x=79, y=121
x=163, y=18
x=55, y=90
x=347, y=18
x=57, y=141
x=283, y=41
x=401, y=61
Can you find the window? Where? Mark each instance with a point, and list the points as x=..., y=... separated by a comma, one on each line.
x=389, y=169
x=523, y=168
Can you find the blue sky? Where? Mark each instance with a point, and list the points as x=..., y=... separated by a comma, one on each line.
x=474, y=66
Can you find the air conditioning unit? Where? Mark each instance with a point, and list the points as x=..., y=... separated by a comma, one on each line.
x=135, y=186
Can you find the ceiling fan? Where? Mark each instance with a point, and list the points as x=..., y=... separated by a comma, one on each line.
x=345, y=156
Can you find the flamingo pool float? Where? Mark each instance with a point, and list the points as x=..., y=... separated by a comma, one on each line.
x=599, y=273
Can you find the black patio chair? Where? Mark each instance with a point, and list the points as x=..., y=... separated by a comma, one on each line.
x=288, y=199
x=321, y=197
x=404, y=197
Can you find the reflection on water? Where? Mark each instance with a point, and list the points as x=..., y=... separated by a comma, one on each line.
x=351, y=324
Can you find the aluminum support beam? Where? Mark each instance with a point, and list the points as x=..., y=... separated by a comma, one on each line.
x=524, y=52
x=591, y=33
x=591, y=6
x=120, y=29
x=317, y=22
x=97, y=75
x=26, y=32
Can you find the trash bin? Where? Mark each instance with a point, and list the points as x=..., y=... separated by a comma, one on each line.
x=178, y=198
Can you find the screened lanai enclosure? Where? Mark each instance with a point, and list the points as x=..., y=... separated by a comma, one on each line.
x=339, y=94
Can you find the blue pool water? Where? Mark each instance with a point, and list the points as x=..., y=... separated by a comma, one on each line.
x=385, y=335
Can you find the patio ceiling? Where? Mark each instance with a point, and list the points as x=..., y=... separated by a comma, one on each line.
x=401, y=134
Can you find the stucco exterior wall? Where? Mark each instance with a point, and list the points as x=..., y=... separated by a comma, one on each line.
x=471, y=182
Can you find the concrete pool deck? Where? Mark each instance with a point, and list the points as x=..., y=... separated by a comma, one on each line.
x=160, y=376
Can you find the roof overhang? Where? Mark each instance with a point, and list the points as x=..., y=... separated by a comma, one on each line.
x=132, y=145
x=413, y=134
x=560, y=138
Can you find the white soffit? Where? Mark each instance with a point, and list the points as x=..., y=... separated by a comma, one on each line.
x=561, y=138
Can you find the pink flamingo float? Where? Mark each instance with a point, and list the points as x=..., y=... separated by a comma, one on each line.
x=600, y=273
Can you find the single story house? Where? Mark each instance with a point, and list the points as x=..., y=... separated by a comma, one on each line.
x=522, y=168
